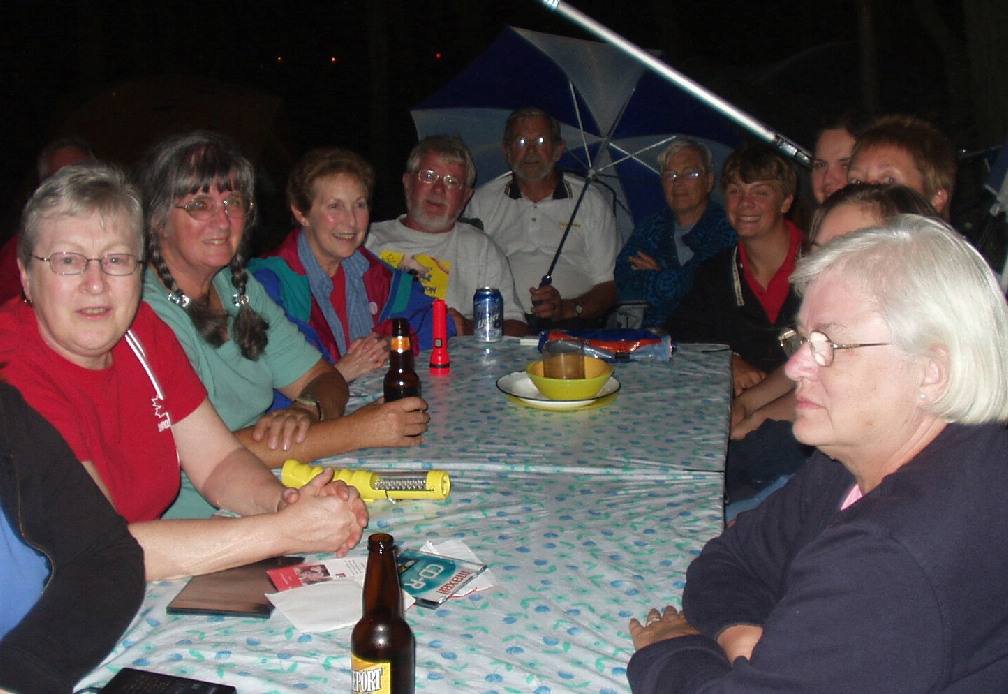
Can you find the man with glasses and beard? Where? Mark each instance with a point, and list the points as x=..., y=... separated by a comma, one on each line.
x=452, y=259
x=527, y=213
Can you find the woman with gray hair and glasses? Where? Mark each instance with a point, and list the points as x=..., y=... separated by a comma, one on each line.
x=110, y=376
x=198, y=191
x=880, y=566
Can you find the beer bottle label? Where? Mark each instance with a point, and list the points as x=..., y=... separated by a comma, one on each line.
x=370, y=677
x=400, y=343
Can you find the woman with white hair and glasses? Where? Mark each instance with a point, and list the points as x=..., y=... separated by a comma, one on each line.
x=880, y=566
x=659, y=260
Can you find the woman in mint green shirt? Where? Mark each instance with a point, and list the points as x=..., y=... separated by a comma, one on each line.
x=198, y=195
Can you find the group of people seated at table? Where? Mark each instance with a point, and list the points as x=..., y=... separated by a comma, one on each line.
x=154, y=356
x=873, y=566
x=733, y=288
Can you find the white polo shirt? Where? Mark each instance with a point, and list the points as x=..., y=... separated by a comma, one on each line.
x=529, y=233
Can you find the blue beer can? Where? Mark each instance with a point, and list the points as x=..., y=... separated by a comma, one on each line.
x=488, y=315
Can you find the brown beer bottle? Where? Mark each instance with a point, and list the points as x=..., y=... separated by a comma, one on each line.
x=382, y=649
x=401, y=380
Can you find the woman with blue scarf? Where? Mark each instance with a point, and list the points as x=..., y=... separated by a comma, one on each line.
x=339, y=295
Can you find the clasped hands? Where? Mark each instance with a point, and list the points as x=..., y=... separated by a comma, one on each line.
x=328, y=516
x=737, y=641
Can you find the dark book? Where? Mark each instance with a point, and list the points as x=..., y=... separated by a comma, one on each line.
x=237, y=592
x=130, y=681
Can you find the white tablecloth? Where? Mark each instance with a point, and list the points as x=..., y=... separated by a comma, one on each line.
x=586, y=519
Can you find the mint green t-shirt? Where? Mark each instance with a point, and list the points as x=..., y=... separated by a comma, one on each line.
x=240, y=389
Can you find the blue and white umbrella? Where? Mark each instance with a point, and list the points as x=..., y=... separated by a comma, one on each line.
x=616, y=116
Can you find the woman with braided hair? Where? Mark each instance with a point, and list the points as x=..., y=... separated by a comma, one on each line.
x=198, y=195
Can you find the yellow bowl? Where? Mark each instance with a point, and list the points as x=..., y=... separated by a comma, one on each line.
x=597, y=372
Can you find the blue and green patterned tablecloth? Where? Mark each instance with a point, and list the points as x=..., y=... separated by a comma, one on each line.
x=586, y=518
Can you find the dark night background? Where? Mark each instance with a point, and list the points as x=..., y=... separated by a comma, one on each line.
x=346, y=73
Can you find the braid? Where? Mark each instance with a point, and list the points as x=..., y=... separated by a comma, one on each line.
x=250, y=328
x=208, y=324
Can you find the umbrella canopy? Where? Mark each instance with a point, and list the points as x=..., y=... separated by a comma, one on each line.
x=616, y=116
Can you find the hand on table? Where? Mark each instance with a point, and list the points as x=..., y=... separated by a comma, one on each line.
x=363, y=355
x=546, y=302
x=744, y=375
x=642, y=261
x=399, y=423
x=283, y=428
x=659, y=626
x=323, y=516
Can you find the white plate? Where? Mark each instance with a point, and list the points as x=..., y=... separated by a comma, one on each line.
x=518, y=385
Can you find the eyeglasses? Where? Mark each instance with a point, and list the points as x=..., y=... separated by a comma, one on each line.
x=115, y=264
x=203, y=208
x=687, y=175
x=821, y=346
x=430, y=178
x=530, y=141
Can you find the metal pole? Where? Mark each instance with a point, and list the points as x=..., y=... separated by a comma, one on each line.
x=791, y=149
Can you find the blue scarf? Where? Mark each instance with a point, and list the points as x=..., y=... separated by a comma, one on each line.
x=357, y=303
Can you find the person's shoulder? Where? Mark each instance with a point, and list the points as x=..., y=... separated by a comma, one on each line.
x=493, y=188
x=148, y=325
x=595, y=190
x=725, y=258
x=17, y=327
x=477, y=240
x=383, y=231
x=653, y=223
x=10, y=398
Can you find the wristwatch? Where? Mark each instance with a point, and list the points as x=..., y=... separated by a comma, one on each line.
x=578, y=308
x=311, y=403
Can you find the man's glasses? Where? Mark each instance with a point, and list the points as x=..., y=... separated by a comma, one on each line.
x=822, y=347
x=203, y=208
x=115, y=264
x=430, y=178
x=687, y=175
x=530, y=141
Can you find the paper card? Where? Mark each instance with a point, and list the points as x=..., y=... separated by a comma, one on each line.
x=431, y=578
x=457, y=548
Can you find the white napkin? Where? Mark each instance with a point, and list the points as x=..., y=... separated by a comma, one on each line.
x=341, y=598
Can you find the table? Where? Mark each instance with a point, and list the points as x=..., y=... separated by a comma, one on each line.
x=586, y=518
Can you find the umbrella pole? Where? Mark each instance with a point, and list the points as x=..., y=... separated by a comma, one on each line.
x=785, y=145
x=535, y=324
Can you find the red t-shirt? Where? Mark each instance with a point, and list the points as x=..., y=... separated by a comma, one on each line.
x=112, y=417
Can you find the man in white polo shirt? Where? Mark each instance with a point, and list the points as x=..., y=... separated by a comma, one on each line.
x=527, y=212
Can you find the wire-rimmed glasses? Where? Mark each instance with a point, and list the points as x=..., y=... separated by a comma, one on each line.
x=822, y=347
x=430, y=177
x=686, y=176
x=203, y=208
x=69, y=263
